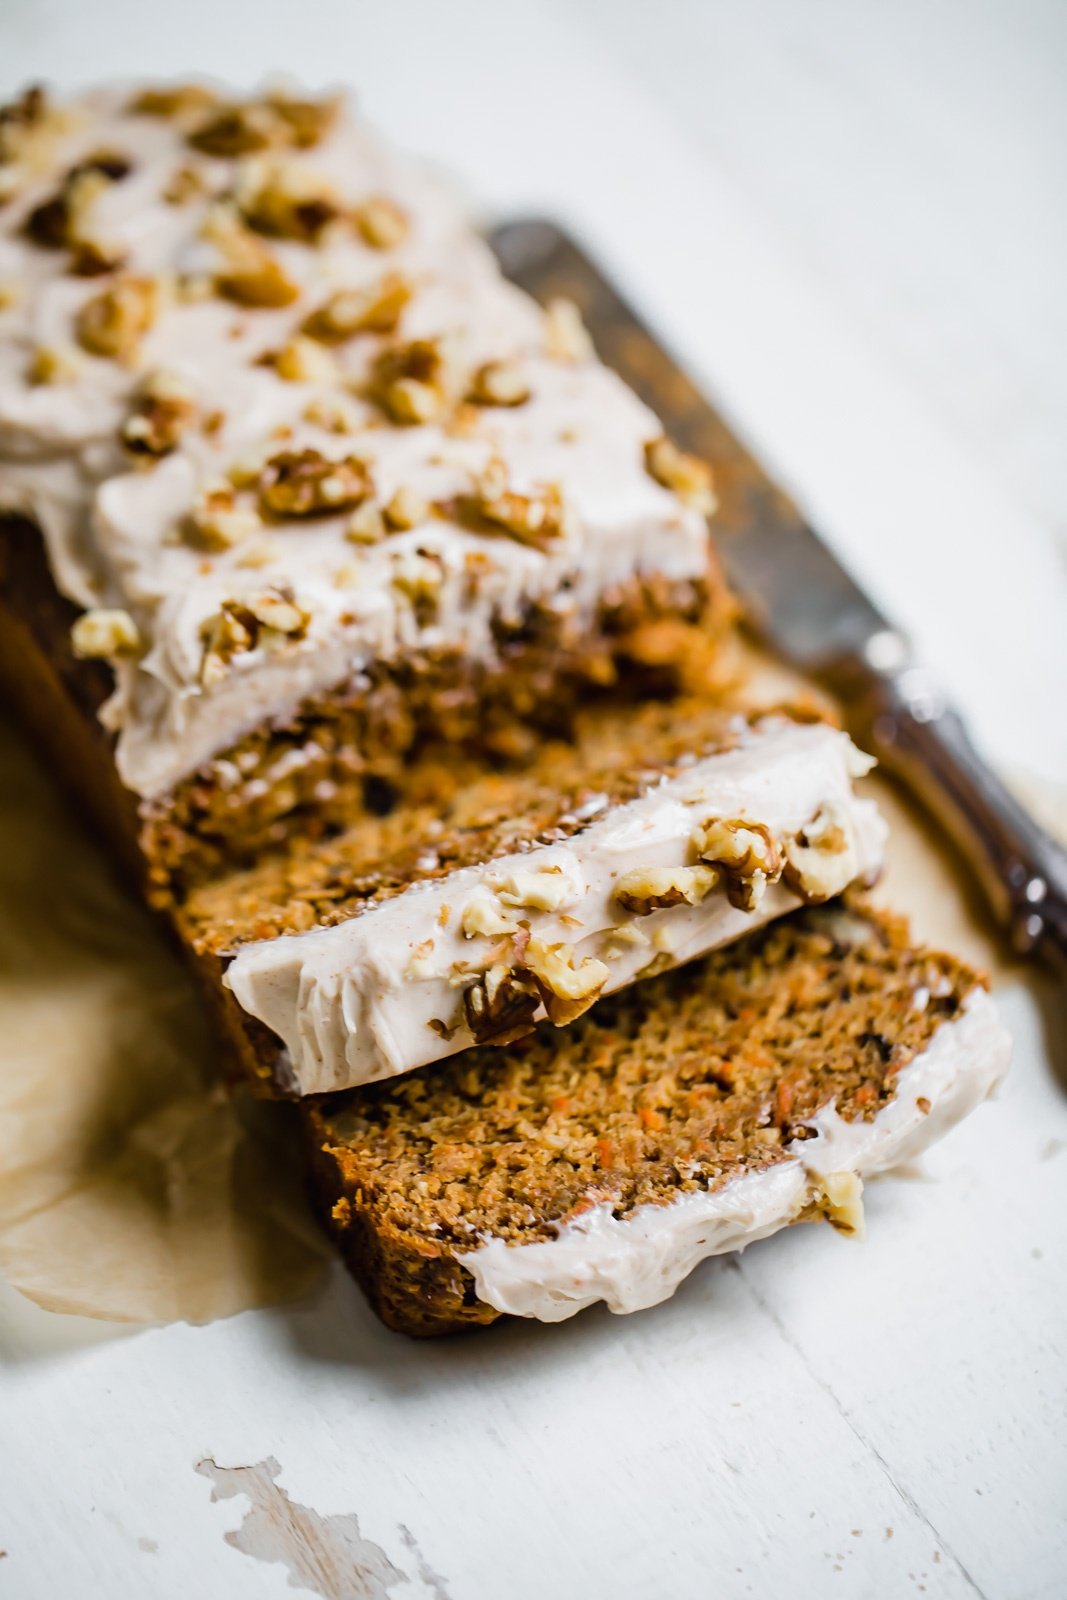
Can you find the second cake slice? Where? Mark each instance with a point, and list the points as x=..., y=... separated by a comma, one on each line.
x=527, y=898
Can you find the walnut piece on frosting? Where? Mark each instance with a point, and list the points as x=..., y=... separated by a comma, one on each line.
x=374, y=308
x=412, y=381
x=654, y=889
x=263, y=620
x=104, y=633
x=499, y=383
x=745, y=852
x=567, y=987
x=566, y=336
x=64, y=220
x=217, y=522
x=821, y=860
x=114, y=322
x=305, y=483
x=366, y=525
x=55, y=363
x=251, y=275
x=406, y=509
x=501, y=1004
x=302, y=360
x=284, y=198
x=381, y=222
x=536, y=519
x=841, y=1202
x=483, y=917
x=177, y=101
x=239, y=130
x=687, y=475
x=163, y=409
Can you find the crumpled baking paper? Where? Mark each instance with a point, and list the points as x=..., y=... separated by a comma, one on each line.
x=133, y=1187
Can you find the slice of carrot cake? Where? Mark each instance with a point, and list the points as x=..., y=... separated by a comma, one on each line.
x=315, y=484
x=470, y=919
x=686, y=1116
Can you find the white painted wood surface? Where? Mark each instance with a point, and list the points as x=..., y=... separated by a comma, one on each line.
x=800, y=197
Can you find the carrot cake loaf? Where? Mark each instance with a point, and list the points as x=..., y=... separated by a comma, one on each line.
x=315, y=485
x=468, y=921
x=686, y=1116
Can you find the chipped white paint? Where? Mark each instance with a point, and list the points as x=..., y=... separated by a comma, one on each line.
x=824, y=1419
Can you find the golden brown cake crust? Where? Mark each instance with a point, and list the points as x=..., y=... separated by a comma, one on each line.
x=673, y=1086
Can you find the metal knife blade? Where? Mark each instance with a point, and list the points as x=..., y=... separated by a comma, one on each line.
x=801, y=598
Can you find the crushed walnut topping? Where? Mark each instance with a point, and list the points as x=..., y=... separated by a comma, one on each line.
x=21, y=120
x=821, y=860
x=302, y=360
x=177, y=101
x=286, y=199
x=500, y=1006
x=381, y=222
x=114, y=322
x=653, y=889
x=305, y=483
x=64, y=220
x=260, y=621
x=841, y=1202
x=375, y=308
x=55, y=363
x=239, y=130
x=412, y=381
x=184, y=184
x=366, y=525
x=499, y=383
x=332, y=412
x=164, y=408
x=101, y=634
x=10, y=294
x=745, y=852
x=419, y=574
x=537, y=888
x=251, y=276
x=405, y=510
x=566, y=336
x=217, y=522
x=687, y=475
x=483, y=917
x=537, y=519
x=567, y=987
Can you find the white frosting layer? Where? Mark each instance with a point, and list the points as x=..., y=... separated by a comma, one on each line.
x=358, y=1001
x=640, y=1260
x=111, y=530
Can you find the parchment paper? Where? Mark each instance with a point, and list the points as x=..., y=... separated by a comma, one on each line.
x=132, y=1186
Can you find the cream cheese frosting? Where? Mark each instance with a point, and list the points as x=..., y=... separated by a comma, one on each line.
x=121, y=528
x=388, y=990
x=638, y=1261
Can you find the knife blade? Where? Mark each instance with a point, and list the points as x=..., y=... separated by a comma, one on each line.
x=810, y=610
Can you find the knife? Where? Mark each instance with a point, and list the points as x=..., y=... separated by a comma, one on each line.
x=806, y=606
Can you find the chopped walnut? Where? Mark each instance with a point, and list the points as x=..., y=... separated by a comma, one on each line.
x=217, y=522
x=381, y=222
x=10, y=294
x=406, y=509
x=419, y=574
x=842, y=1202
x=535, y=519
x=821, y=860
x=655, y=888
x=178, y=101
x=64, y=220
x=500, y=1006
x=285, y=198
x=482, y=917
x=412, y=381
x=105, y=633
x=499, y=383
x=184, y=184
x=307, y=121
x=21, y=122
x=366, y=525
x=251, y=275
x=687, y=475
x=164, y=409
x=239, y=130
x=566, y=336
x=259, y=553
x=302, y=360
x=537, y=888
x=745, y=852
x=114, y=322
x=263, y=620
x=567, y=989
x=332, y=412
x=305, y=483
x=376, y=308
x=54, y=363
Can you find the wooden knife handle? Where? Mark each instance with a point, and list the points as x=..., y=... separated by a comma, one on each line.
x=899, y=714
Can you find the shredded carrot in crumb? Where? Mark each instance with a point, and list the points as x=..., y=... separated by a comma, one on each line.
x=605, y=1152
x=783, y=1100
x=651, y=1118
x=562, y=1103
x=864, y=1094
